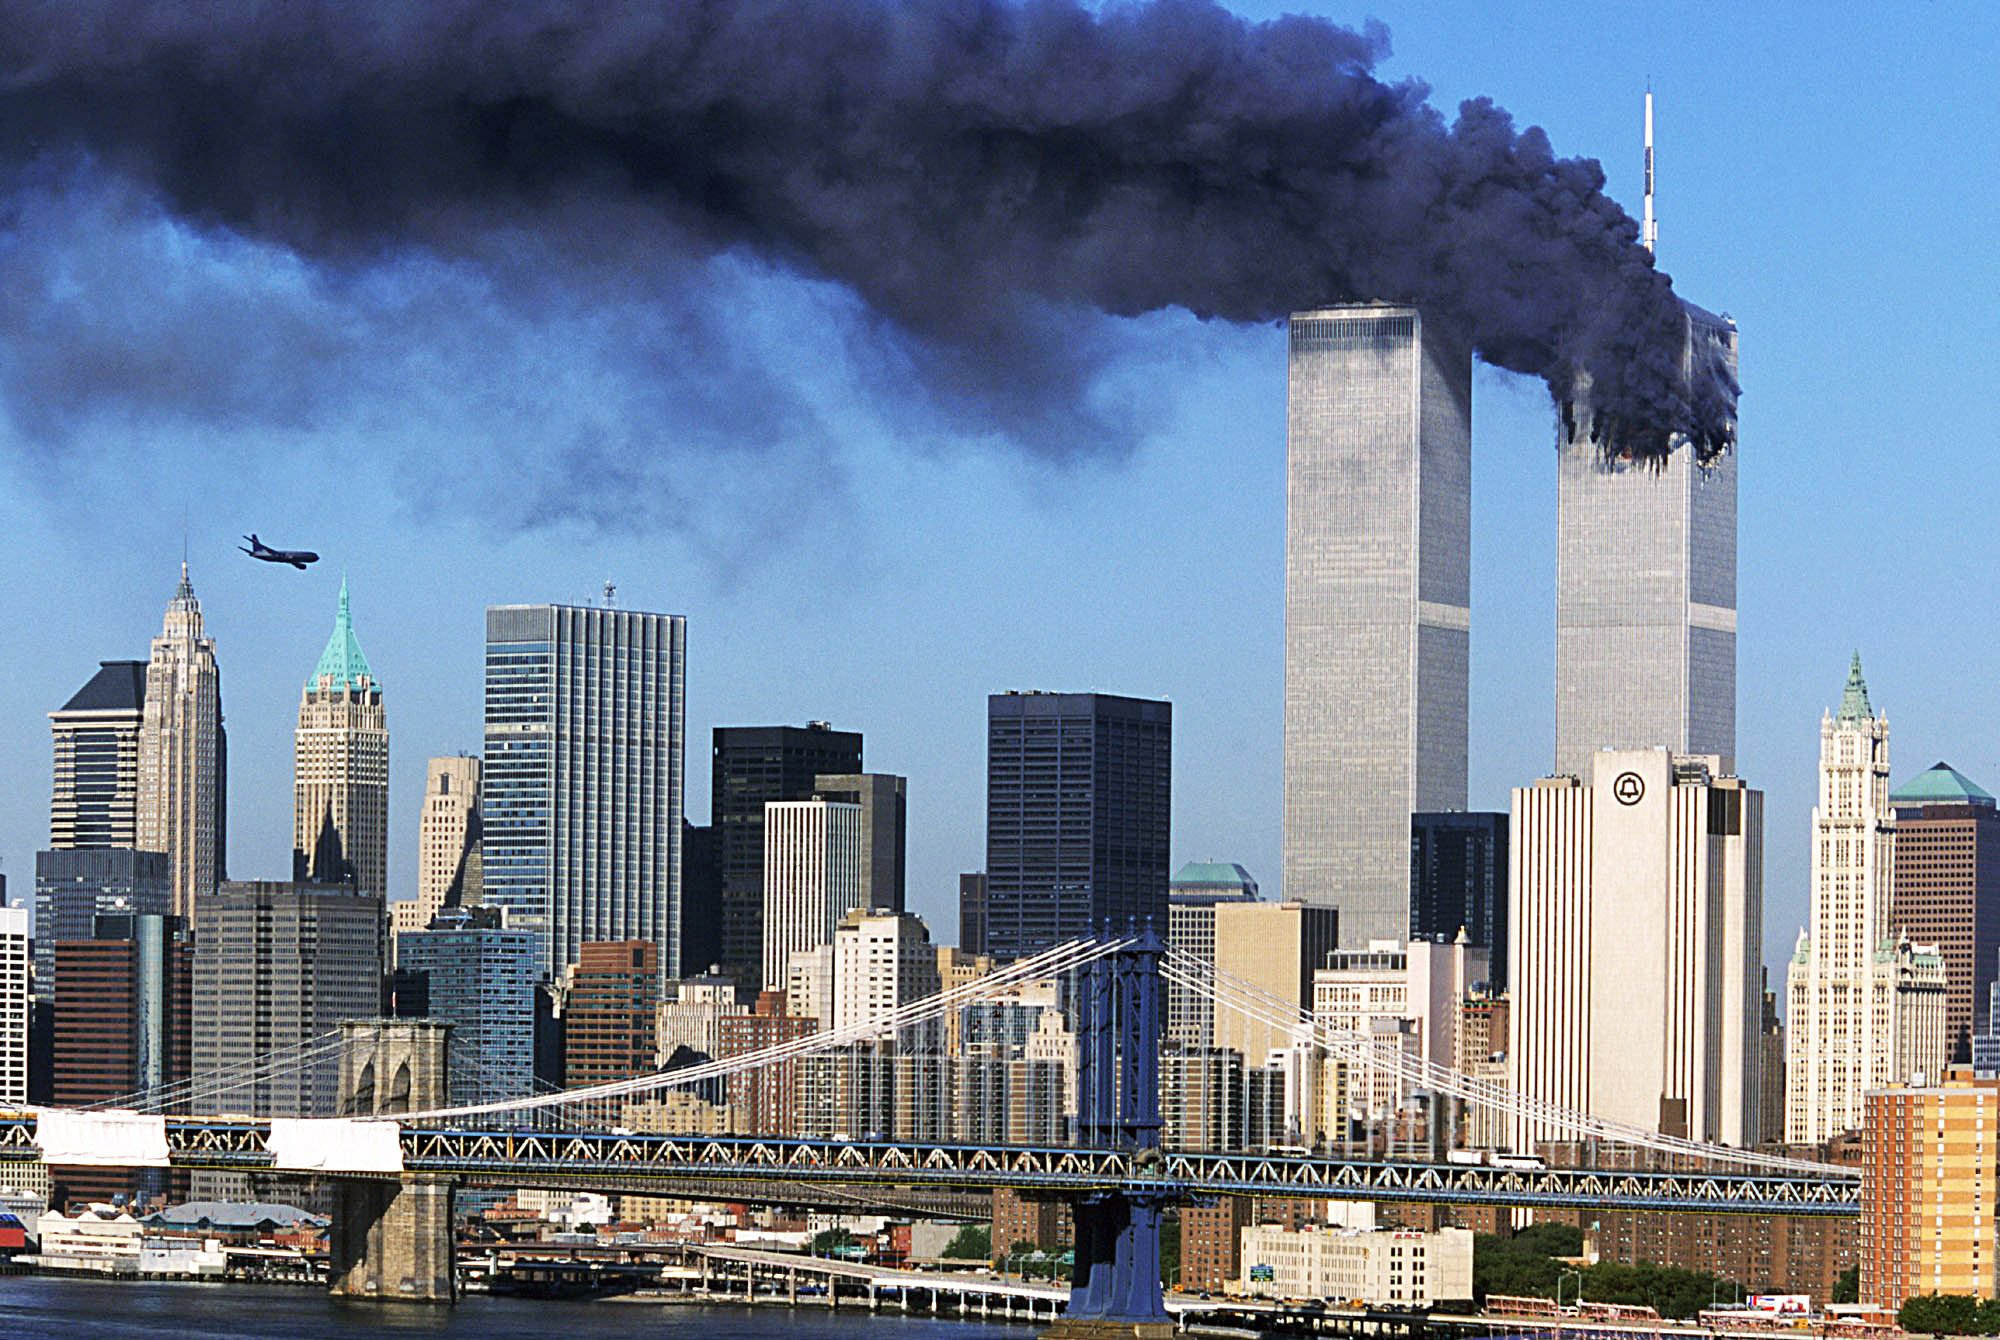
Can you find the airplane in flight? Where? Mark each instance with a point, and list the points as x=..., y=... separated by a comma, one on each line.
x=298, y=558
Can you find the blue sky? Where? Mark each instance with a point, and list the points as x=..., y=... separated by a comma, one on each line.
x=1825, y=178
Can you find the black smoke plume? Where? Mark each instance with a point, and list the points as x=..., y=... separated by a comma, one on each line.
x=964, y=167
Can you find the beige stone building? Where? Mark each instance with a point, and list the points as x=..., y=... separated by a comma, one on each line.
x=448, y=867
x=183, y=754
x=1635, y=944
x=1864, y=1010
x=340, y=769
x=1275, y=948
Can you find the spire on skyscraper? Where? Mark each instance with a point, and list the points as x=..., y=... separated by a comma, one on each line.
x=1854, y=705
x=342, y=661
x=183, y=752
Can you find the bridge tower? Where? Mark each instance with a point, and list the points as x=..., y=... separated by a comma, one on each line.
x=392, y=1240
x=1115, y=1283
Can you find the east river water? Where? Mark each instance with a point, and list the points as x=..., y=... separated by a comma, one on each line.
x=72, y=1309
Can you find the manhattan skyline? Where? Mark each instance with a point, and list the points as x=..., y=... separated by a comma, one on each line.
x=965, y=570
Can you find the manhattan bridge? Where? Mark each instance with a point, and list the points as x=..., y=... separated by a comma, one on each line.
x=401, y=1148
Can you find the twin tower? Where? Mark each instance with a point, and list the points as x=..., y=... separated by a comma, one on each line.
x=1378, y=597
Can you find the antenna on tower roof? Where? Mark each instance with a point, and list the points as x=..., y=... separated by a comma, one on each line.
x=1649, y=229
x=610, y=594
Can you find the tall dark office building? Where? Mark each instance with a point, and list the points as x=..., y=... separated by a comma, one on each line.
x=753, y=766
x=701, y=899
x=95, y=735
x=972, y=912
x=1079, y=792
x=884, y=801
x=1458, y=879
x=1947, y=889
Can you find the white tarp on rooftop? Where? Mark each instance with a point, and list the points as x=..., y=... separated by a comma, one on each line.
x=110, y=1139
x=336, y=1145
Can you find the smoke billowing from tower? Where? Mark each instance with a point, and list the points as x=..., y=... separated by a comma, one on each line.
x=969, y=169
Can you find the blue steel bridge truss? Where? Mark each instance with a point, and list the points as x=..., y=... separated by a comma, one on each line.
x=498, y=1153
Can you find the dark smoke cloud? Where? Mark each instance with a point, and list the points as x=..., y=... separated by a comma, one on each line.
x=973, y=172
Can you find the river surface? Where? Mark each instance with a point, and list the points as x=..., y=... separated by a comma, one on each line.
x=70, y=1309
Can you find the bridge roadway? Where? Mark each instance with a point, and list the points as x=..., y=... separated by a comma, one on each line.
x=783, y=1166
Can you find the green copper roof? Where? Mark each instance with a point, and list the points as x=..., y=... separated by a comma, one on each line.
x=1854, y=701
x=1213, y=873
x=342, y=660
x=1942, y=784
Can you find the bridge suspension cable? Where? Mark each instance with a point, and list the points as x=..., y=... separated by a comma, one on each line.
x=1049, y=963
x=1252, y=1001
x=211, y=1084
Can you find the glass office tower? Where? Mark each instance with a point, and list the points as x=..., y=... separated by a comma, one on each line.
x=581, y=811
x=1646, y=596
x=1378, y=508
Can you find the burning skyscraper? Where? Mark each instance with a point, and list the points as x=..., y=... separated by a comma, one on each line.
x=1646, y=576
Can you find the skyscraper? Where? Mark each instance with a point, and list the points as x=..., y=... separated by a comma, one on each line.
x=884, y=804
x=1276, y=947
x=14, y=933
x=74, y=888
x=754, y=765
x=1646, y=595
x=1947, y=888
x=1192, y=897
x=1079, y=805
x=184, y=754
x=972, y=912
x=277, y=967
x=812, y=876
x=121, y=1008
x=1847, y=989
x=581, y=795
x=1377, y=603
x=1635, y=942
x=448, y=869
x=481, y=977
x=1458, y=882
x=701, y=900
x=120, y=1026
x=95, y=802
x=340, y=769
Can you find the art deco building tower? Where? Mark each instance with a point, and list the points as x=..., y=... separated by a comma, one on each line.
x=1865, y=1012
x=340, y=769
x=448, y=835
x=183, y=753
x=1378, y=506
